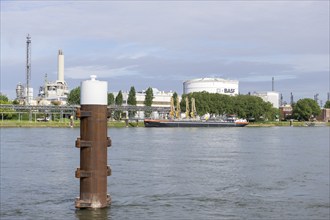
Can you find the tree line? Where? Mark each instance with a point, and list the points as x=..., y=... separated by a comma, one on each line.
x=250, y=107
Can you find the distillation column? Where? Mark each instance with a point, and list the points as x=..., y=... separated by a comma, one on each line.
x=93, y=143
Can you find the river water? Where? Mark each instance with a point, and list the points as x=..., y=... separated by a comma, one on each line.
x=172, y=173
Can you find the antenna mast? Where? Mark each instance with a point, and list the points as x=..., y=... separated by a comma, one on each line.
x=28, y=68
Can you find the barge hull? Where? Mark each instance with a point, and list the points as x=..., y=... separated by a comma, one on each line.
x=160, y=123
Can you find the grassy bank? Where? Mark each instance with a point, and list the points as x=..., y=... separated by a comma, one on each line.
x=283, y=124
x=65, y=123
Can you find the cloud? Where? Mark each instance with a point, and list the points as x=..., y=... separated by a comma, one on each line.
x=132, y=56
x=169, y=41
x=83, y=72
x=265, y=78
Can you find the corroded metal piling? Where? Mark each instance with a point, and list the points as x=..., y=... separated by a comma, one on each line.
x=93, y=143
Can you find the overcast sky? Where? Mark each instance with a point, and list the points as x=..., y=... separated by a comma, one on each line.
x=162, y=44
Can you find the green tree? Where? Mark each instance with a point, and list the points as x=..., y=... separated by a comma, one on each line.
x=244, y=106
x=15, y=102
x=119, y=98
x=327, y=104
x=5, y=113
x=118, y=101
x=131, y=100
x=175, y=98
x=4, y=99
x=183, y=101
x=148, y=101
x=202, y=102
x=74, y=96
x=305, y=109
x=111, y=99
x=251, y=107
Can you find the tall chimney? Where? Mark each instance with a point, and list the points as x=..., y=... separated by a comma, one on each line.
x=60, y=76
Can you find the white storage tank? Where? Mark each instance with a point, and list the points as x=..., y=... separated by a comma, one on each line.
x=211, y=85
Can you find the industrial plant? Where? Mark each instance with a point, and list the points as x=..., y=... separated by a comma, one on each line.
x=51, y=92
x=57, y=91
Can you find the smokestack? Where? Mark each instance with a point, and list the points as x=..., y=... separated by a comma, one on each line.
x=273, y=84
x=60, y=76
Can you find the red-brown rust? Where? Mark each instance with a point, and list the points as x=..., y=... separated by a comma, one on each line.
x=93, y=171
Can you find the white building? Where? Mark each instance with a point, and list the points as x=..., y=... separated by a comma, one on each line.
x=161, y=99
x=211, y=85
x=272, y=97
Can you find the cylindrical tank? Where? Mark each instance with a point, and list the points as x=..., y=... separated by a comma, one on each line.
x=211, y=85
x=93, y=143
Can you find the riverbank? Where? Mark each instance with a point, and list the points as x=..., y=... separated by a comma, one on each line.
x=287, y=124
x=62, y=124
x=122, y=124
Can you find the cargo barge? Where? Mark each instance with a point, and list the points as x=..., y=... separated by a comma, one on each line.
x=194, y=123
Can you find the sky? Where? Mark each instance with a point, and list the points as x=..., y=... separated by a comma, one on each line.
x=161, y=44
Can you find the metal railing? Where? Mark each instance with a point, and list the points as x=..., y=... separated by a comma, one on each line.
x=69, y=109
x=54, y=108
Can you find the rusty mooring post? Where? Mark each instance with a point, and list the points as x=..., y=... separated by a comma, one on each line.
x=93, y=143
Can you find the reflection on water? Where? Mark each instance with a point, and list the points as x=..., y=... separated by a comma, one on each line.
x=88, y=214
x=190, y=173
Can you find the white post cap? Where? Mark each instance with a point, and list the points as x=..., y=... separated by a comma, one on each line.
x=94, y=92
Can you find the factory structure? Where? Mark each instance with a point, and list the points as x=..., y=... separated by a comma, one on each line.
x=51, y=92
x=57, y=91
x=272, y=97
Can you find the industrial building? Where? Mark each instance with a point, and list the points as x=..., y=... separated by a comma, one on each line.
x=272, y=97
x=211, y=85
x=56, y=91
x=51, y=92
x=22, y=96
x=285, y=112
